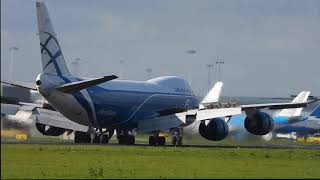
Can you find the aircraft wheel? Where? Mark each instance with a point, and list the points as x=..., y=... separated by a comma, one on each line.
x=81, y=137
x=130, y=140
x=126, y=139
x=161, y=141
x=180, y=140
x=96, y=139
x=121, y=139
x=152, y=141
x=104, y=139
x=174, y=140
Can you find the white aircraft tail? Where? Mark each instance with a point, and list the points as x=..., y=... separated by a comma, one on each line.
x=213, y=95
x=51, y=55
x=302, y=97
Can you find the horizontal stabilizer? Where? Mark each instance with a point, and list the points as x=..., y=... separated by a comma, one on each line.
x=29, y=86
x=79, y=85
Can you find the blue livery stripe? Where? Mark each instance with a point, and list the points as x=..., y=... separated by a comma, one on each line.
x=316, y=111
x=53, y=58
x=82, y=101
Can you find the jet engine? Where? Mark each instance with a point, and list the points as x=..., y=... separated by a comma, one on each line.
x=260, y=123
x=49, y=130
x=216, y=130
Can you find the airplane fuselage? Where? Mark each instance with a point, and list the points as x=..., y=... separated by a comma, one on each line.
x=118, y=103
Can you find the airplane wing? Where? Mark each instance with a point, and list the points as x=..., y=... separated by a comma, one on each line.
x=29, y=114
x=214, y=111
x=233, y=109
x=54, y=118
x=272, y=106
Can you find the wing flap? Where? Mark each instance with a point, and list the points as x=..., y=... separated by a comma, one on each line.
x=54, y=118
x=213, y=95
x=29, y=115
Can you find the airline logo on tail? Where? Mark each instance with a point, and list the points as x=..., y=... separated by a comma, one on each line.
x=51, y=55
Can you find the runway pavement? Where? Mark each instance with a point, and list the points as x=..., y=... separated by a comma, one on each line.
x=263, y=146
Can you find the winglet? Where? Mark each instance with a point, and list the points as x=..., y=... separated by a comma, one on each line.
x=301, y=98
x=213, y=95
x=79, y=85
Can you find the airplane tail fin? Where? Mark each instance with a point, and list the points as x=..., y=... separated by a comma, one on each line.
x=51, y=55
x=316, y=111
x=213, y=95
x=302, y=97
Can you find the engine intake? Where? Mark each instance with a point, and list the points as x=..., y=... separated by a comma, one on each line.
x=216, y=130
x=261, y=123
x=49, y=130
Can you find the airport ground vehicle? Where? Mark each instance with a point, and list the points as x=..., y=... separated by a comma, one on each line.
x=314, y=138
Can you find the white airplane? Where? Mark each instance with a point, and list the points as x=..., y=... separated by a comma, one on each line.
x=282, y=118
x=95, y=108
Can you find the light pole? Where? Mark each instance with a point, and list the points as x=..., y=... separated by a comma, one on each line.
x=219, y=63
x=149, y=70
x=12, y=49
x=209, y=66
x=75, y=65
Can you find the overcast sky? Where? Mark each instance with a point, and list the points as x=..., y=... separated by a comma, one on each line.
x=270, y=48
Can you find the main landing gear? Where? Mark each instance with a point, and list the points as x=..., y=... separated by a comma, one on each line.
x=125, y=137
x=157, y=140
x=93, y=136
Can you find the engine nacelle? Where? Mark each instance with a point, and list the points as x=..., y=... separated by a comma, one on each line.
x=261, y=123
x=216, y=130
x=49, y=130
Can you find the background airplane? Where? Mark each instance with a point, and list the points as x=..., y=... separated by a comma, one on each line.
x=304, y=128
x=285, y=126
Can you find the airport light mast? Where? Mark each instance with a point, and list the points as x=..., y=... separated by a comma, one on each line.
x=219, y=63
x=12, y=49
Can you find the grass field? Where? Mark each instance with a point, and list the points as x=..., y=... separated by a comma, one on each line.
x=80, y=161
